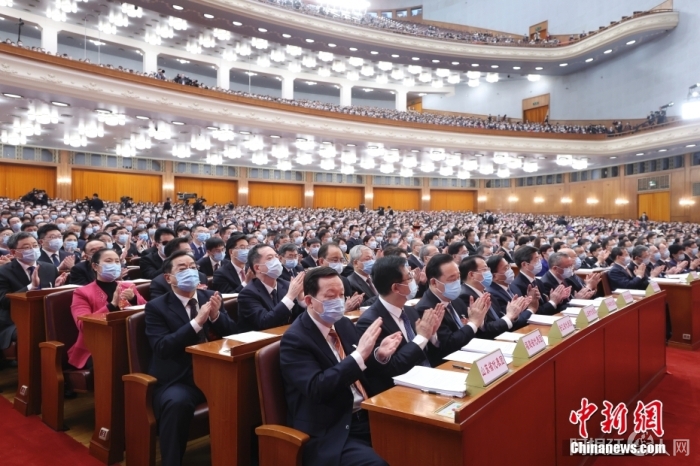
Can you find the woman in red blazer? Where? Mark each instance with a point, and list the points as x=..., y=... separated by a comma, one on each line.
x=104, y=295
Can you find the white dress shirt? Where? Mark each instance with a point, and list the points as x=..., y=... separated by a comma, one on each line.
x=186, y=302
x=395, y=313
x=480, y=294
x=287, y=302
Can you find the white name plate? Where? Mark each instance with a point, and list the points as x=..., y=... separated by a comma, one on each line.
x=490, y=367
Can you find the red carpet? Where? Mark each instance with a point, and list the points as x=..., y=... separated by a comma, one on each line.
x=680, y=393
x=26, y=441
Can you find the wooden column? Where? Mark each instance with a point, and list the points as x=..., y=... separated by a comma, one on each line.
x=242, y=186
x=64, y=176
x=425, y=194
x=309, y=190
x=168, y=184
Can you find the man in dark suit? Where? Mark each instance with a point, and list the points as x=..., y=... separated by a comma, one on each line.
x=289, y=257
x=529, y=261
x=331, y=256
x=211, y=261
x=476, y=277
x=200, y=235
x=23, y=273
x=180, y=318
x=313, y=245
x=159, y=285
x=419, y=335
x=502, y=299
x=51, y=242
x=577, y=283
x=82, y=273
x=506, y=245
x=641, y=255
x=471, y=243
x=151, y=264
x=460, y=322
x=96, y=203
x=619, y=276
x=561, y=267
x=644, y=218
x=267, y=301
x=362, y=259
x=231, y=276
x=458, y=251
x=322, y=361
x=414, y=258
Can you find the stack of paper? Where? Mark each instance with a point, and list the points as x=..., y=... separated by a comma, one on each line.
x=514, y=337
x=632, y=292
x=581, y=302
x=479, y=345
x=468, y=357
x=542, y=320
x=229, y=295
x=448, y=383
x=665, y=280
x=572, y=311
x=250, y=337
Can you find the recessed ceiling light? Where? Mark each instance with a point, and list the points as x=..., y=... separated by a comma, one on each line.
x=478, y=155
x=331, y=45
x=613, y=157
x=142, y=117
x=177, y=123
x=350, y=145
x=608, y=51
x=286, y=36
x=563, y=64
x=641, y=153
x=539, y=68
x=436, y=61
x=310, y=41
x=213, y=128
x=475, y=65
x=208, y=16
x=690, y=145
x=631, y=42
x=541, y=157
x=245, y=133
x=262, y=29
x=12, y=96
x=177, y=7
x=301, y=140
x=422, y=94
x=415, y=151
x=237, y=23
x=588, y=60
x=275, y=136
x=663, y=150
x=516, y=67
x=353, y=49
x=415, y=58
x=455, y=63
x=328, y=143
x=494, y=66
x=394, y=55
x=102, y=111
x=374, y=52
x=59, y=104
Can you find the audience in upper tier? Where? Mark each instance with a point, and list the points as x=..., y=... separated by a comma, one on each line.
x=497, y=123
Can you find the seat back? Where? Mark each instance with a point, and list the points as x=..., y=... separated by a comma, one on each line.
x=144, y=290
x=134, y=274
x=140, y=352
x=273, y=405
x=58, y=320
x=231, y=308
x=606, y=283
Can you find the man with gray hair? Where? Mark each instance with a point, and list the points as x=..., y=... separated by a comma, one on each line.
x=576, y=282
x=362, y=260
x=414, y=260
x=561, y=268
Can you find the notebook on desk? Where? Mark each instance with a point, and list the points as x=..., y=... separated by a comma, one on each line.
x=447, y=383
x=479, y=345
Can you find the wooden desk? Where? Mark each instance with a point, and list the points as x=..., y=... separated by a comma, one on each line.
x=105, y=337
x=618, y=358
x=684, y=306
x=27, y=311
x=225, y=371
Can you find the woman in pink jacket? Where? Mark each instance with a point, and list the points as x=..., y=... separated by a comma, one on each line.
x=104, y=295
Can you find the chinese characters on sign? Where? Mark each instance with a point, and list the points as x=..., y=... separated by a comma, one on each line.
x=647, y=417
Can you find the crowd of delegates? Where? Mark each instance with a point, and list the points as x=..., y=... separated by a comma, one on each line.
x=427, y=281
x=497, y=123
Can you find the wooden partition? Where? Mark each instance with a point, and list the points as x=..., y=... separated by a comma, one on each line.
x=398, y=199
x=17, y=180
x=339, y=197
x=112, y=186
x=275, y=194
x=214, y=191
x=656, y=205
x=444, y=199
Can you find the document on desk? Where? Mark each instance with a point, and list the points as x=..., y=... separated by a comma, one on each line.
x=641, y=293
x=437, y=381
x=480, y=345
x=536, y=319
x=572, y=311
x=514, y=337
x=582, y=302
x=468, y=357
x=665, y=280
x=229, y=295
x=250, y=337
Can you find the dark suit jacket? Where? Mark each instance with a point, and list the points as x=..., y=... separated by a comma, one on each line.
x=226, y=279
x=159, y=286
x=151, y=265
x=82, y=273
x=360, y=286
x=493, y=324
x=206, y=267
x=308, y=262
x=619, y=278
x=499, y=302
x=317, y=386
x=195, y=250
x=549, y=282
x=256, y=310
x=61, y=255
x=287, y=275
x=519, y=287
x=590, y=262
x=13, y=279
x=413, y=262
x=506, y=256
x=169, y=332
x=451, y=337
x=471, y=248
x=407, y=355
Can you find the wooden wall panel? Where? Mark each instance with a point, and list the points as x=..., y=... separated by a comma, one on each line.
x=111, y=186
x=275, y=194
x=398, y=199
x=443, y=199
x=339, y=197
x=214, y=191
x=17, y=180
x=656, y=205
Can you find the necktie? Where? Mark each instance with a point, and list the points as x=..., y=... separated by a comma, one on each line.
x=410, y=334
x=30, y=271
x=242, y=277
x=192, y=307
x=201, y=251
x=456, y=316
x=335, y=341
x=55, y=260
x=273, y=296
x=216, y=267
x=371, y=286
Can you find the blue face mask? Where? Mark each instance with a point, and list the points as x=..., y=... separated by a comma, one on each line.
x=70, y=245
x=367, y=266
x=187, y=280
x=291, y=263
x=413, y=289
x=242, y=255
x=219, y=256
x=110, y=272
x=122, y=239
x=29, y=256
x=487, y=279
x=5, y=239
x=577, y=264
x=333, y=310
x=202, y=237
x=109, y=245
x=314, y=251
x=34, y=234
x=452, y=289
x=143, y=236
x=656, y=256
x=55, y=244
x=88, y=231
